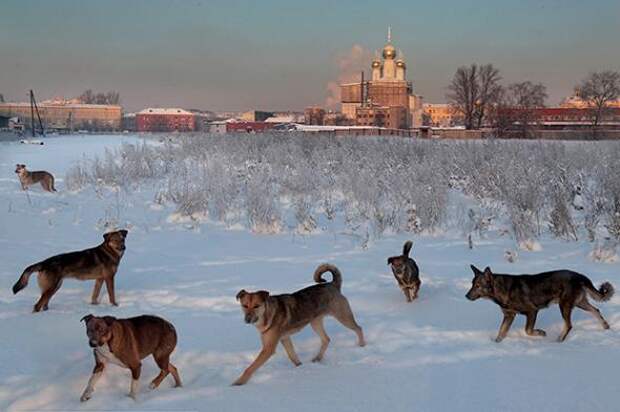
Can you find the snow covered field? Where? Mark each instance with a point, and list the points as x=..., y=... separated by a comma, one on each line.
x=434, y=354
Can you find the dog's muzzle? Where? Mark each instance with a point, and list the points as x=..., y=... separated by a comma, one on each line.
x=471, y=296
x=93, y=343
x=249, y=318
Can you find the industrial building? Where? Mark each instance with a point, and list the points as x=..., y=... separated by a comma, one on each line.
x=165, y=120
x=67, y=116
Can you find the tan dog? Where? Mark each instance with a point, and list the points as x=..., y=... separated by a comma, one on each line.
x=125, y=342
x=278, y=317
x=27, y=178
x=99, y=263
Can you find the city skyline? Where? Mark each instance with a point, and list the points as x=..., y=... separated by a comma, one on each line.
x=281, y=55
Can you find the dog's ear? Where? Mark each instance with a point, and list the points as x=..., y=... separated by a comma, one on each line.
x=109, y=320
x=87, y=318
x=263, y=294
x=241, y=294
x=391, y=259
x=123, y=233
x=476, y=271
x=106, y=236
x=487, y=272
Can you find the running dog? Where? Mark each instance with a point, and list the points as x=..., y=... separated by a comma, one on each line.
x=27, y=178
x=99, y=263
x=278, y=317
x=527, y=294
x=406, y=272
x=126, y=342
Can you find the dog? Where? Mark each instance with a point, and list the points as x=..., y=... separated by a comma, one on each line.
x=406, y=272
x=125, y=342
x=527, y=294
x=277, y=317
x=99, y=263
x=27, y=178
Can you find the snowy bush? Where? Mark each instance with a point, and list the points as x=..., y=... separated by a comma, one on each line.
x=374, y=185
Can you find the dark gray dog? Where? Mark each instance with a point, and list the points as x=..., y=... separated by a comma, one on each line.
x=527, y=294
x=406, y=272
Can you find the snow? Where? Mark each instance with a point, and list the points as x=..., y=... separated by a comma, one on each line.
x=434, y=354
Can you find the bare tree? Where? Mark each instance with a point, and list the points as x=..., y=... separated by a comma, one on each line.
x=1, y=98
x=489, y=91
x=473, y=92
x=517, y=107
x=597, y=91
x=89, y=97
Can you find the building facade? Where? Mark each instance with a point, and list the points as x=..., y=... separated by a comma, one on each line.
x=314, y=116
x=393, y=117
x=68, y=116
x=165, y=120
x=387, y=88
x=441, y=115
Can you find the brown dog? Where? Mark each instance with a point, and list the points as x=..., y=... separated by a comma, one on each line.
x=280, y=316
x=126, y=342
x=27, y=178
x=406, y=272
x=99, y=263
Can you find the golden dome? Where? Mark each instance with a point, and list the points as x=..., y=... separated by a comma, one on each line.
x=376, y=63
x=401, y=63
x=389, y=52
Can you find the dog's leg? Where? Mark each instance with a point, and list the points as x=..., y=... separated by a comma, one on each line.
x=414, y=292
x=49, y=285
x=97, y=372
x=96, y=290
x=269, y=348
x=175, y=374
x=290, y=350
x=109, y=285
x=588, y=307
x=163, y=363
x=345, y=316
x=317, y=326
x=407, y=293
x=505, y=326
x=529, y=325
x=135, y=380
x=565, y=308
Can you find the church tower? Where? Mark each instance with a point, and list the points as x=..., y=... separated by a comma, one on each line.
x=389, y=56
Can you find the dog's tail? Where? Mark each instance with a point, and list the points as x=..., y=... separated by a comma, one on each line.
x=407, y=248
x=604, y=292
x=326, y=267
x=23, y=279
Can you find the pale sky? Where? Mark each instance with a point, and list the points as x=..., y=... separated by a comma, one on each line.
x=276, y=55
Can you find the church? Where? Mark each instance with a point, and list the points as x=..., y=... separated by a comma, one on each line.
x=387, y=98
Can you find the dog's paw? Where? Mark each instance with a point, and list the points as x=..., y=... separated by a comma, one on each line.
x=539, y=332
x=317, y=359
x=239, y=382
x=85, y=396
x=114, y=304
x=152, y=386
x=605, y=325
x=94, y=302
x=499, y=339
x=133, y=396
